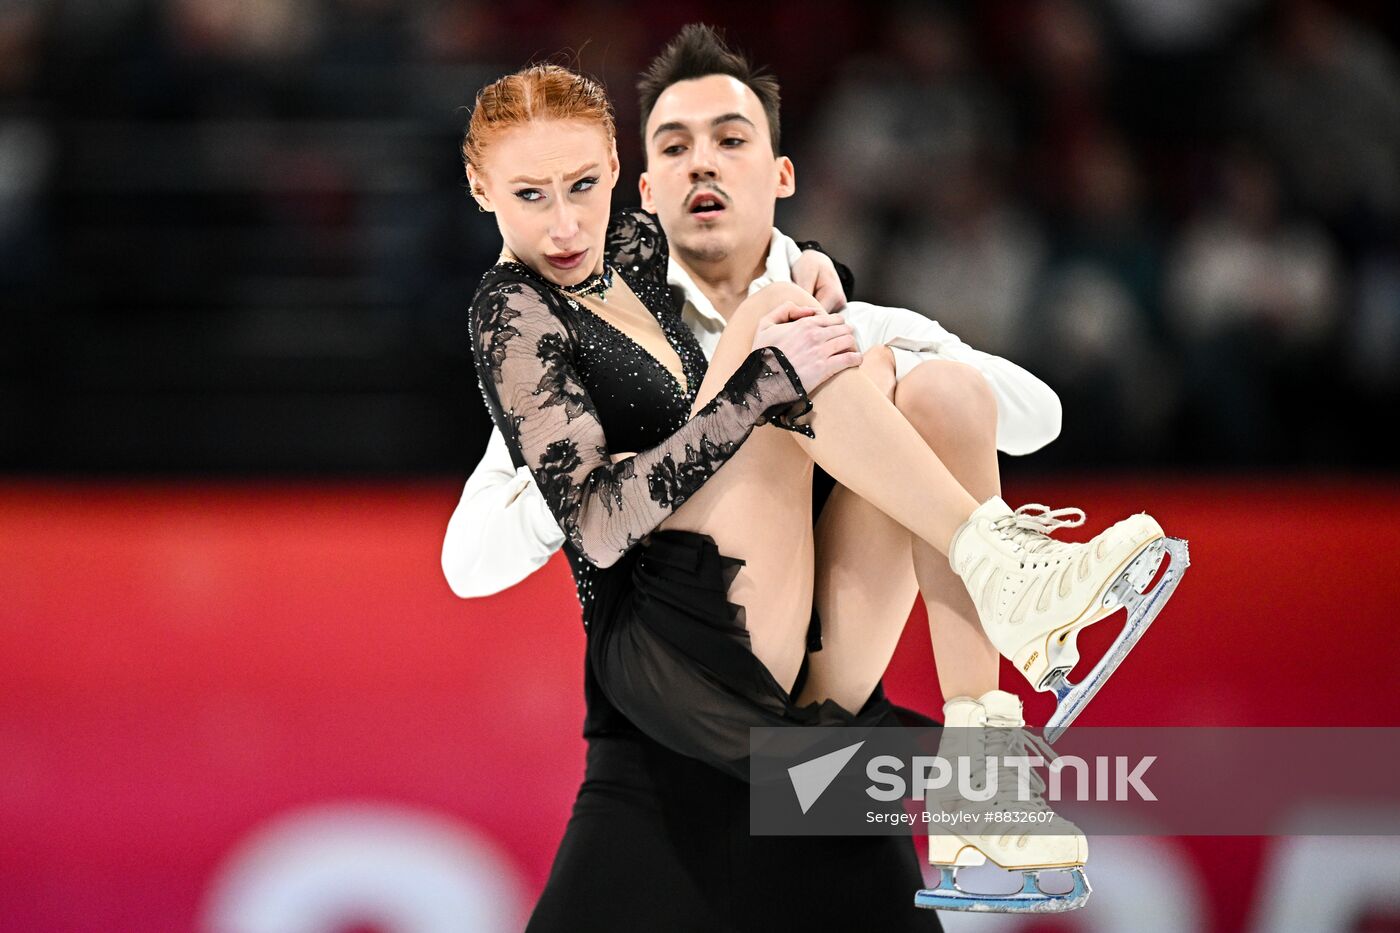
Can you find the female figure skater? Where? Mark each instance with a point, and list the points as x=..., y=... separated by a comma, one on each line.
x=696, y=581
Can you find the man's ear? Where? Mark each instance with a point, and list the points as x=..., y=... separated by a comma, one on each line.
x=787, y=178
x=644, y=186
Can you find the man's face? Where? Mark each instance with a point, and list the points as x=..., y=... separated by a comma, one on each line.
x=712, y=177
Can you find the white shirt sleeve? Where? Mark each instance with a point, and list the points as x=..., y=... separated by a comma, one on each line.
x=502, y=531
x=1028, y=410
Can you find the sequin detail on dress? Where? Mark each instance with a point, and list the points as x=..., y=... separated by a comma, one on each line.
x=566, y=388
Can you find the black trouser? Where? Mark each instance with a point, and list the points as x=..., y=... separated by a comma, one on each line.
x=659, y=843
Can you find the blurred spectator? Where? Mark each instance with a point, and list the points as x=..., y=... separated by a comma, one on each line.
x=234, y=230
x=1104, y=223
x=1095, y=331
x=893, y=121
x=1375, y=337
x=1063, y=107
x=1254, y=298
x=1178, y=26
x=26, y=152
x=460, y=30
x=251, y=29
x=970, y=262
x=1090, y=343
x=26, y=149
x=1323, y=95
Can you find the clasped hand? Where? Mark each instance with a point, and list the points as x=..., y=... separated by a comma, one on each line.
x=817, y=345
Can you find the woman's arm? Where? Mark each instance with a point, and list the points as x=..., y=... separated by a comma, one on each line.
x=524, y=358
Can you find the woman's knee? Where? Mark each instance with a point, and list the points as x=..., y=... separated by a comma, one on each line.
x=948, y=399
x=878, y=365
x=769, y=297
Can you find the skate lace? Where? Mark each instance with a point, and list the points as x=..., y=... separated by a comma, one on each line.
x=1030, y=525
x=1015, y=742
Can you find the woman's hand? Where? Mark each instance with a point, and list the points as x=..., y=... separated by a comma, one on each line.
x=818, y=346
x=815, y=273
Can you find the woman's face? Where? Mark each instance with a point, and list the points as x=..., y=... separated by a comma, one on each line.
x=549, y=183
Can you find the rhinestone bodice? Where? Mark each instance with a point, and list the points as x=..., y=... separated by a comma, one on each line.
x=567, y=388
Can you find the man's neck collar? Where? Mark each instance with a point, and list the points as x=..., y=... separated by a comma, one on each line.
x=726, y=284
x=775, y=269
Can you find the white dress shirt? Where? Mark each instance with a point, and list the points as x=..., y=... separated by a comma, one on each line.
x=502, y=530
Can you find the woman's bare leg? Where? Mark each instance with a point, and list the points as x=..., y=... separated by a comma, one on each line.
x=861, y=438
x=768, y=524
x=953, y=409
x=865, y=585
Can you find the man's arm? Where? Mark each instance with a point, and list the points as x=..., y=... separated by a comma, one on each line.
x=1028, y=410
x=502, y=531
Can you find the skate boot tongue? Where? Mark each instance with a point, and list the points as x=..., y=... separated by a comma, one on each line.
x=1002, y=709
x=960, y=712
x=994, y=510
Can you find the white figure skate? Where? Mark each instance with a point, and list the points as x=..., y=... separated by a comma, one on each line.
x=1033, y=594
x=976, y=729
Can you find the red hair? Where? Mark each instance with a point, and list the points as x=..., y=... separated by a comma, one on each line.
x=539, y=92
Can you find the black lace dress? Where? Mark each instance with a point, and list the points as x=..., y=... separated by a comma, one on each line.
x=658, y=838
x=667, y=653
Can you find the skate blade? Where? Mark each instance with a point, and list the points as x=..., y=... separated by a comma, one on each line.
x=1142, y=608
x=1029, y=900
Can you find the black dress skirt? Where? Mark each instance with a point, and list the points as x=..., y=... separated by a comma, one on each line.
x=660, y=842
x=674, y=657
x=659, y=836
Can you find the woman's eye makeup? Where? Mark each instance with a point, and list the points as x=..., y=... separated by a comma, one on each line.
x=534, y=194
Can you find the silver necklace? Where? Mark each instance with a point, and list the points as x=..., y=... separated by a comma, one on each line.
x=593, y=285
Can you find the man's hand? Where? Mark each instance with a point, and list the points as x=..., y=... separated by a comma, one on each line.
x=815, y=274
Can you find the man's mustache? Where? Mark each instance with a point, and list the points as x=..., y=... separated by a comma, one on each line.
x=711, y=188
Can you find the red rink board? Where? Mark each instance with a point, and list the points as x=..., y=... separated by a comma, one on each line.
x=181, y=663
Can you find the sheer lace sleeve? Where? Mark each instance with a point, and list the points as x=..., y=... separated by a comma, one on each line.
x=525, y=361
x=637, y=245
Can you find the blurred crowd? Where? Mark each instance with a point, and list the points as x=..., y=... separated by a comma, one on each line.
x=234, y=235
x=1182, y=215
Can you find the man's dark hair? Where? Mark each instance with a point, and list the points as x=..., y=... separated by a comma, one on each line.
x=698, y=51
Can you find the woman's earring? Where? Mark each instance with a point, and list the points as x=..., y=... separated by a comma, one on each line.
x=480, y=209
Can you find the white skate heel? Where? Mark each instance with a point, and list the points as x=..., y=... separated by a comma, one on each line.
x=976, y=831
x=1033, y=594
